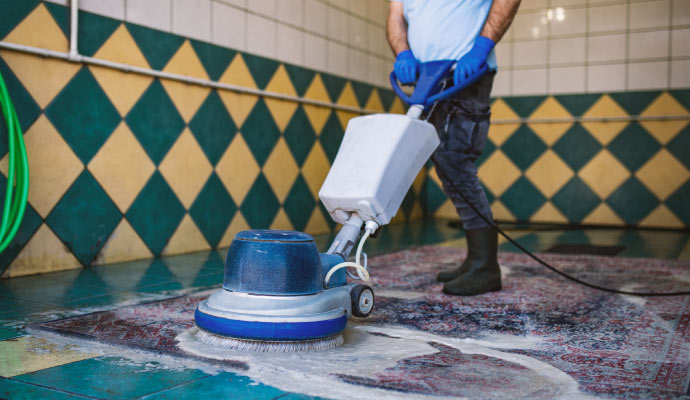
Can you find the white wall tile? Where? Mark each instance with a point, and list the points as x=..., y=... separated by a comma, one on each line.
x=267, y=8
x=529, y=25
x=261, y=36
x=378, y=74
x=316, y=17
x=567, y=79
x=533, y=5
x=337, y=24
x=358, y=7
x=62, y=2
x=529, y=81
x=568, y=50
x=573, y=23
x=644, y=45
x=680, y=43
x=152, y=13
x=229, y=26
x=337, y=59
x=606, y=48
x=501, y=85
x=649, y=14
x=109, y=8
x=358, y=32
x=650, y=75
x=238, y=3
x=596, y=2
x=376, y=42
x=608, y=18
x=358, y=64
x=562, y=3
x=504, y=51
x=529, y=53
x=315, y=52
x=605, y=78
x=378, y=11
x=681, y=12
x=291, y=12
x=192, y=18
x=290, y=45
x=680, y=74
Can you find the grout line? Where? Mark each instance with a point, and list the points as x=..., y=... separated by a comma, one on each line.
x=586, y=37
x=670, y=44
x=626, y=73
x=53, y=388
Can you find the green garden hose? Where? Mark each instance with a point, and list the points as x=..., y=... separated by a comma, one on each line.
x=17, y=172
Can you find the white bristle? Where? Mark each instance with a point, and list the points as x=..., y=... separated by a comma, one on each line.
x=269, y=346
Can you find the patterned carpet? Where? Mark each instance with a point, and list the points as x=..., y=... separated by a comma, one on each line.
x=609, y=345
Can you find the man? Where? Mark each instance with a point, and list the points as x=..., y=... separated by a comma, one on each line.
x=467, y=31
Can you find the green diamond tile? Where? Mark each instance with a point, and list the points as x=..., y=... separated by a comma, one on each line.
x=299, y=204
x=634, y=146
x=575, y=200
x=490, y=197
x=331, y=136
x=523, y=199
x=524, y=106
x=387, y=97
x=632, y=201
x=12, y=389
x=27, y=109
x=225, y=385
x=212, y=127
x=83, y=115
x=299, y=135
x=332, y=224
x=408, y=203
x=61, y=16
x=523, y=147
x=94, y=30
x=489, y=148
x=431, y=197
x=577, y=104
x=156, y=213
x=362, y=92
x=300, y=77
x=635, y=102
x=260, y=205
x=158, y=47
x=29, y=225
x=260, y=132
x=84, y=218
x=155, y=121
x=680, y=146
x=261, y=68
x=14, y=12
x=683, y=96
x=334, y=85
x=215, y=59
x=213, y=210
x=679, y=203
x=576, y=147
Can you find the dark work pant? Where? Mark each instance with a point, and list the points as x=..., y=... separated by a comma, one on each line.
x=462, y=123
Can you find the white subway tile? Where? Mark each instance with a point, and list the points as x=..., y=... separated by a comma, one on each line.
x=261, y=36
x=567, y=79
x=504, y=51
x=680, y=42
x=290, y=45
x=531, y=53
x=192, y=18
x=229, y=26
x=315, y=52
x=649, y=14
x=337, y=24
x=238, y=3
x=574, y=22
x=267, y=8
x=681, y=12
x=530, y=25
x=529, y=81
x=358, y=7
x=605, y=78
x=533, y=5
x=565, y=3
x=649, y=75
x=608, y=18
x=358, y=32
x=337, y=58
x=680, y=74
x=316, y=16
x=606, y=48
x=377, y=10
x=358, y=67
x=596, y=2
x=152, y=13
x=109, y=8
x=290, y=11
x=374, y=35
x=644, y=45
x=501, y=86
x=569, y=50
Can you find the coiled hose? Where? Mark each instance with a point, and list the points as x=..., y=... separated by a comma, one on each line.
x=17, y=191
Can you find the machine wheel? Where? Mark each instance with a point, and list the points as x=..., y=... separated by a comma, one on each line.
x=362, y=301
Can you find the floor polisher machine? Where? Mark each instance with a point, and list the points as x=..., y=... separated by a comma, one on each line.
x=279, y=293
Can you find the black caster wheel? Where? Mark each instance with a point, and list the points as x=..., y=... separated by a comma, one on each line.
x=362, y=301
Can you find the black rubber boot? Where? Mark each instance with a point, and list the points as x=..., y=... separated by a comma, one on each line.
x=482, y=273
x=449, y=275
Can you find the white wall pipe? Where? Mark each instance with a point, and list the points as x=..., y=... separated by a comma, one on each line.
x=74, y=30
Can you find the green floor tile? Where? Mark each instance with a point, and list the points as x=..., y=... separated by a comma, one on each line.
x=9, y=333
x=64, y=287
x=223, y=386
x=11, y=389
x=297, y=396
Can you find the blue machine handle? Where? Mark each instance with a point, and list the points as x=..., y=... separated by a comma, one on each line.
x=426, y=91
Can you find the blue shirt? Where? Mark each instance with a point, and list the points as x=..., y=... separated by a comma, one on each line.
x=445, y=29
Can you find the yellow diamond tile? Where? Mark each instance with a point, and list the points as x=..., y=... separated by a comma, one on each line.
x=186, y=168
x=123, y=89
x=605, y=237
x=29, y=354
x=663, y=174
x=685, y=253
x=397, y=107
x=344, y=117
x=52, y=163
x=604, y=173
x=417, y=212
x=549, y=173
x=418, y=182
x=317, y=90
x=602, y=215
x=499, y=133
x=317, y=117
x=281, y=170
x=238, y=105
x=281, y=83
x=317, y=224
x=501, y=110
x=664, y=105
x=374, y=102
x=550, y=132
x=447, y=210
x=457, y=243
x=281, y=221
x=398, y=218
x=347, y=97
x=604, y=132
x=122, y=167
x=186, y=239
x=39, y=29
x=501, y=212
x=315, y=168
x=44, y=253
x=238, y=74
x=237, y=169
x=123, y=245
x=186, y=62
x=434, y=176
x=237, y=224
x=497, y=173
x=548, y=213
x=121, y=47
x=42, y=77
x=662, y=217
x=281, y=110
x=187, y=98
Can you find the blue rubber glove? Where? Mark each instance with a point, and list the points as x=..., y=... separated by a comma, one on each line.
x=473, y=60
x=406, y=67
